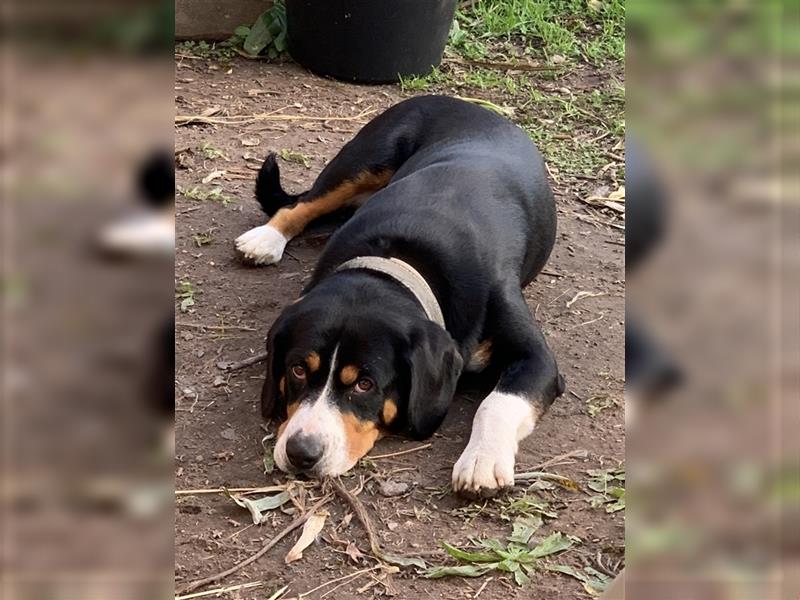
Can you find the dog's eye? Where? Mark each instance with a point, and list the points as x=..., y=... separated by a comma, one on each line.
x=363, y=385
x=299, y=372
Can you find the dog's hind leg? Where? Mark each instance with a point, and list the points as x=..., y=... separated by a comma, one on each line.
x=363, y=166
x=528, y=385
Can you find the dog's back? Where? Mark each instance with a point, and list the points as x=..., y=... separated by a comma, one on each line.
x=468, y=186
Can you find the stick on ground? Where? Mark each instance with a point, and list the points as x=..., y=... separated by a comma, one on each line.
x=400, y=453
x=214, y=327
x=242, y=364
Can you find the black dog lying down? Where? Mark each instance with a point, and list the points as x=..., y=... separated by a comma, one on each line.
x=422, y=283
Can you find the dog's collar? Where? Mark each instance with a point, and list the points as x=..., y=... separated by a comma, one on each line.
x=405, y=275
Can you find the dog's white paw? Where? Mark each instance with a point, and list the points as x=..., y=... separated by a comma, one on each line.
x=487, y=462
x=262, y=245
x=485, y=465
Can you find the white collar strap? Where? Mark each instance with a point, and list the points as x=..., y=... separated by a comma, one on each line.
x=405, y=275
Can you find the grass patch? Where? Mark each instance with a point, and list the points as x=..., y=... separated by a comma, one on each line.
x=573, y=132
x=590, y=29
x=208, y=50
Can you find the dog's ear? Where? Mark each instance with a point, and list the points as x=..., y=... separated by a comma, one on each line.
x=435, y=366
x=273, y=394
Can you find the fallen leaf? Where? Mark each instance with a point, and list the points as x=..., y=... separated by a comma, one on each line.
x=353, y=552
x=228, y=434
x=258, y=507
x=619, y=195
x=346, y=521
x=210, y=111
x=391, y=489
x=250, y=141
x=311, y=530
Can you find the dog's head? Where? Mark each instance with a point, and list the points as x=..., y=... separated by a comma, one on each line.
x=337, y=380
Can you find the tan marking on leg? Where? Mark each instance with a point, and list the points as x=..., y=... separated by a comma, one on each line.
x=360, y=435
x=290, y=221
x=313, y=361
x=480, y=357
x=349, y=374
x=389, y=412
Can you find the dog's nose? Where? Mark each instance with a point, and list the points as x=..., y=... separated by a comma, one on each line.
x=303, y=451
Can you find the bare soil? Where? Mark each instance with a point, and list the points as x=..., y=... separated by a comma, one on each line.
x=219, y=428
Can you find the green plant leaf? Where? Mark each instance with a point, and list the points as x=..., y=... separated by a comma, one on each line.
x=491, y=544
x=242, y=31
x=459, y=571
x=524, y=528
x=509, y=566
x=520, y=578
x=593, y=581
x=186, y=303
x=469, y=556
x=280, y=41
x=551, y=545
x=259, y=36
x=404, y=561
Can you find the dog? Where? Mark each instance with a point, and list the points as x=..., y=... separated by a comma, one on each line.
x=423, y=283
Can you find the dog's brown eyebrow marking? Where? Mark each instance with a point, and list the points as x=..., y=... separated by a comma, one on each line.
x=349, y=374
x=282, y=386
x=313, y=362
x=360, y=435
x=293, y=219
x=389, y=412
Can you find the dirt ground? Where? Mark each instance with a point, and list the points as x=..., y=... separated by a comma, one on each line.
x=219, y=429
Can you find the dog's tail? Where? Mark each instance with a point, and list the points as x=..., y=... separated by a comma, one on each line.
x=269, y=193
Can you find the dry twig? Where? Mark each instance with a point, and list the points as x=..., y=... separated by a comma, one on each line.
x=400, y=453
x=255, y=118
x=241, y=364
x=580, y=453
x=214, y=327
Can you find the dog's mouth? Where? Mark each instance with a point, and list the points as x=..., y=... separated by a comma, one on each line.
x=319, y=440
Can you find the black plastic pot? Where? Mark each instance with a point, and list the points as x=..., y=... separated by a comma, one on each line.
x=369, y=41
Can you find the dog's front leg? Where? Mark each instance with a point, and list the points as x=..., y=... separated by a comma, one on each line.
x=527, y=387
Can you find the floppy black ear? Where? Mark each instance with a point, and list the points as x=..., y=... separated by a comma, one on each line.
x=273, y=399
x=435, y=366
